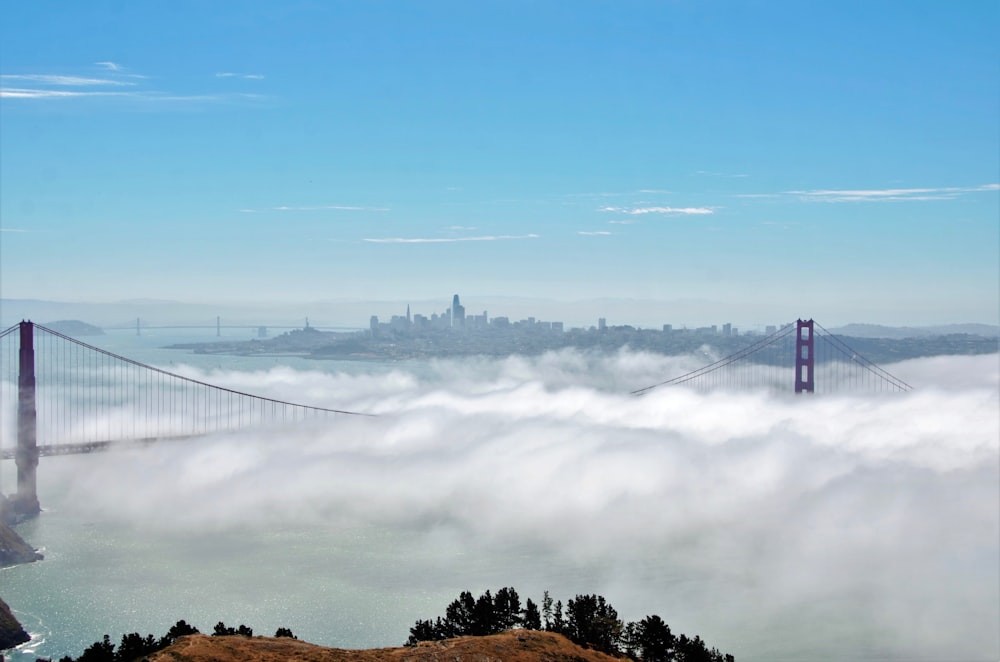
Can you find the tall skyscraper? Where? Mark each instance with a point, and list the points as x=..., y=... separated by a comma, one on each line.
x=457, y=312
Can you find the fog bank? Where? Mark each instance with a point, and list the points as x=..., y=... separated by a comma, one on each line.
x=776, y=527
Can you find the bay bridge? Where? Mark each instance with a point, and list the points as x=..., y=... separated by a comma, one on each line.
x=59, y=395
x=261, y=329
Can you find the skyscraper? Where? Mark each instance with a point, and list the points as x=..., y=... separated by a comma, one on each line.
x=457, y=312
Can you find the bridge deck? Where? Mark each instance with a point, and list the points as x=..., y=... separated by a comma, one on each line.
x=45, y=450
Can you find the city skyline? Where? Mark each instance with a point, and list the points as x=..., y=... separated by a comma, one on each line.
x=839, y=162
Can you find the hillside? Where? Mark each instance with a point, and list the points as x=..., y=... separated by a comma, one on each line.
x=11, y=632
x=512, y=646
x=13, y=549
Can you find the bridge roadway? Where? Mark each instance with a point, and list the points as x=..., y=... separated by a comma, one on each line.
x=45, y=450
x=230, y=326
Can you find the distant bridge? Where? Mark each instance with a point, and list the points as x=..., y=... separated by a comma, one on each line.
x=78, y=398
x=261, y=329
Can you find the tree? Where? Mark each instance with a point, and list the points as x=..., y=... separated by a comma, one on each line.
x=695, y=650
x=530, y=618
x=630, y=640
x=99, y=651
x=459, y=615
x=483, y=617
x=654, y=640
x=547, y=610
x=507, y=609
x=176, y=631
x=284, y=632
x=594, y=623
x=134, y=646
x=222, y=631
x=429, y=631
x=558, y=624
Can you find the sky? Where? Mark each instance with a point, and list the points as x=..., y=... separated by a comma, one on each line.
x=850, y=526
x=831, y=160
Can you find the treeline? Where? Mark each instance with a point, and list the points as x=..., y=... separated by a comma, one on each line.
x=587, y=620
x=135, y=647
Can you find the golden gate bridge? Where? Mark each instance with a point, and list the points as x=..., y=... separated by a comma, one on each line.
x=59, y=395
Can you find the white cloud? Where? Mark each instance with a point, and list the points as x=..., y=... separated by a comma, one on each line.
x=329, y=207
x=596, y=233
x=447, y=240
x=53, y=87
x=71, y=81
x=227, y=74
x=671, y=211
x=27, y=93
x=890, y=194
x=708, y=173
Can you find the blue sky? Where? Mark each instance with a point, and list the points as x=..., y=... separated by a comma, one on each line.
x=840, y=159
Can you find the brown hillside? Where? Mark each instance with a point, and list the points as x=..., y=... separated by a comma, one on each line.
x=513, y=646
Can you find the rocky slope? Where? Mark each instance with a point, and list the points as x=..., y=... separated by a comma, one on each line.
x=512, y=646
x=13, y=549
x=11, y=632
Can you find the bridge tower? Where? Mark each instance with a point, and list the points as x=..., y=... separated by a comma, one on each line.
x=25, y=502
x=804, y=357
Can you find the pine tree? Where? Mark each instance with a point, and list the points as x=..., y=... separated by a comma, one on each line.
x=530, y=618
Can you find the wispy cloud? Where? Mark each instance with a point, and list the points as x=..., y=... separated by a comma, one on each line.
x=18, y=230
x=672, y=211
x=709, y=173
x=624, y=221
x=229, y=74
x=69, y=81
x=316, y=208
x=110, y=74
x=449, y=240
x=595, y=233
x=618, y=194
x=29, y=93
x=890, y=194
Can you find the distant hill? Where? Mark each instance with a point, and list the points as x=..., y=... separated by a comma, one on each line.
x=11, y=632
x=74, y=328
x=899, y=332
x=511, y=646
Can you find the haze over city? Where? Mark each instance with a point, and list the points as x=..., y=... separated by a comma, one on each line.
x=380, y=166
